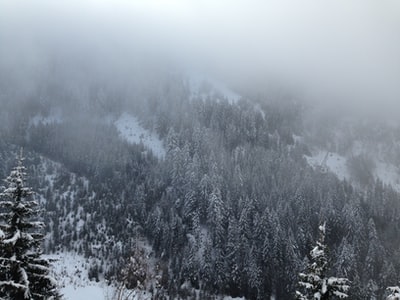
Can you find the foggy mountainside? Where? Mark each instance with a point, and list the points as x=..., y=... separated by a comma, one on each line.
x=176, y=177
x=232, y=208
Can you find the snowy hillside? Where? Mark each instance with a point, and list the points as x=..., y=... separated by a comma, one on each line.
x=329, y=161
x=237, y=168
x=130, y=129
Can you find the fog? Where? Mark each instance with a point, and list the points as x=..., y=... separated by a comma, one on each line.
x=339, y=52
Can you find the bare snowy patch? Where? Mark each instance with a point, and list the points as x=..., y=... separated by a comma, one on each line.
x=54, y=117
x=202, y=86
x=329, y=161
x=388, y=174
x=70, y=270
x=130, y=129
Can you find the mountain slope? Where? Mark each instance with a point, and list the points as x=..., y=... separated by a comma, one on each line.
x=232, y=205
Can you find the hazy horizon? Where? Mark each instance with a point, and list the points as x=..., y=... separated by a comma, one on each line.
x=338, y=52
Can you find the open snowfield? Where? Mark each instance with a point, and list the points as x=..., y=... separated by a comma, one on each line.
x=334, y=162
x=130, y=129
x=70, y=271
x=337, y=164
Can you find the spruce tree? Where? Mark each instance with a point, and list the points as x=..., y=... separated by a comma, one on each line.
x=315, y=283
x=24, y=273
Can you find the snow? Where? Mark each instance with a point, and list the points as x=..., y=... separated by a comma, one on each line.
x=322, y=228
x=336, y=163
x=13, y=240
x=388, y=174
x=258, y=108
x=297, y=138
x=54, y=117
x=70, y=271
x=197, y=80
x=130, y=130
x=394, y=293
x=84, y=293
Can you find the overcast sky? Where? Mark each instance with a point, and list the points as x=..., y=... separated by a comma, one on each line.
x=339, y=51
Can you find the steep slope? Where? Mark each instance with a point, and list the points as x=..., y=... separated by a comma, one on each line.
x=230, y=208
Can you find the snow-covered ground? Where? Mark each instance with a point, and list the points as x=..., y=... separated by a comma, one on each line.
x=54, y=117
x=130, y=129
x=70, y=271
x=337, y=164
x=388, y=174
x=198, y=81
x=334, y=162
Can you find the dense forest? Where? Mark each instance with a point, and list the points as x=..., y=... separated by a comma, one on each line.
x=232, y=208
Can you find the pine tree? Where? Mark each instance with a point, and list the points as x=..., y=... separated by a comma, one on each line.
x=315, y=283
x=24, y=274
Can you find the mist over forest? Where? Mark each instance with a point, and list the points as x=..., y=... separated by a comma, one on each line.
x=204, y=149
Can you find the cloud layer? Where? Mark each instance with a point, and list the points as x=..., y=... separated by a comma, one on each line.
x=345, y=52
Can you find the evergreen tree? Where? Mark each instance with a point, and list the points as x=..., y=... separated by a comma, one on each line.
x=24, y=274
x=315, y=283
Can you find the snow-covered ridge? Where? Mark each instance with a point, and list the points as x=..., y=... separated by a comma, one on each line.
x=130, y=129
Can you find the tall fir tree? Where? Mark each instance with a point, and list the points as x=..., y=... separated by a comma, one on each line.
x=316, y=284
x=24, y=273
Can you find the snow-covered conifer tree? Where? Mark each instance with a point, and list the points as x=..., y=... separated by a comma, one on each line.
x=24, y=274
x=315, y=283
x=394, y=293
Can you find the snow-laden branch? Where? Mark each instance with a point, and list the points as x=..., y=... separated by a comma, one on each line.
x=14, y=239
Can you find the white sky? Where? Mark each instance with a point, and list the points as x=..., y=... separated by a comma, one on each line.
x=345, y=51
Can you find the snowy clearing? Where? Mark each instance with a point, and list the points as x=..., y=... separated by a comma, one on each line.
x=337, y=164
x=130, y=129
x=70, y=270
x=388, y=174
x=334, y=162
x=198, y=83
